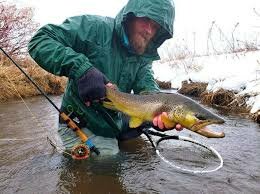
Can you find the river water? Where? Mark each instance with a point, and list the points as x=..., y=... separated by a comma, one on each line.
x=29, y=164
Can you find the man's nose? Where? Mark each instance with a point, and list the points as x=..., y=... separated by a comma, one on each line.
x=149, y=29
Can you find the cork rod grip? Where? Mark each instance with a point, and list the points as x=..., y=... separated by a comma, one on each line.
x=71, y=124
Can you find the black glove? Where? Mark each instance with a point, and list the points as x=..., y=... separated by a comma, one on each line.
x=91, y=85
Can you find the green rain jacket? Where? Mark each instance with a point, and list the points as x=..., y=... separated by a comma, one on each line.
x=82, y=42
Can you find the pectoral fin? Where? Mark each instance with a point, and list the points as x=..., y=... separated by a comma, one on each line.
x=135, y=122
x=109, y=105
x=167, y=122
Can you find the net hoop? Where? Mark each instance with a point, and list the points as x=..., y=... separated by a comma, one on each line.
x=183, y=138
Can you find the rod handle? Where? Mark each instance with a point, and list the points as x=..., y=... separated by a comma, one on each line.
x=71, y=124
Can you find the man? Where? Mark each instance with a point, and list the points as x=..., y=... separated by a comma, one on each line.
x=94, y=51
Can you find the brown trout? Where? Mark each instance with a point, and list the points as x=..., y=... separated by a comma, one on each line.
x=180, y=109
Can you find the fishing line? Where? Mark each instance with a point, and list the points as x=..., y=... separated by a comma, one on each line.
x=186, y=154
x=59, y=148
x=80, y=151
x=17, y=139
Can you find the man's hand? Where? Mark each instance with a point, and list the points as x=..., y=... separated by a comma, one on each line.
x=157, y=121
x=91, y=86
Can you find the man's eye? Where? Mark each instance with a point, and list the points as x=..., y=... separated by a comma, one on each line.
x=156, y=26
x=146, y=19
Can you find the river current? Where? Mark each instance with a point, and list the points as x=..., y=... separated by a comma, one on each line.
x=29, y=164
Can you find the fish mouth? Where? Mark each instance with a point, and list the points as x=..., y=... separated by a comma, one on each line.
x=201, y=128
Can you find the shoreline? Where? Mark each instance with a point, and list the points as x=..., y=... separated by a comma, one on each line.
x=14, y=84
x=224, y=100
x=17, y=86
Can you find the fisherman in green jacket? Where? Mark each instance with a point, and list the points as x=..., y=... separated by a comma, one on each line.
x=94, y=51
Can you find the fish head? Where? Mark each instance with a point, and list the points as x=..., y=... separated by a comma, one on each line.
x=196, y=118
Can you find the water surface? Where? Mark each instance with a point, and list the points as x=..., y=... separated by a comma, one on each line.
x=31, y=165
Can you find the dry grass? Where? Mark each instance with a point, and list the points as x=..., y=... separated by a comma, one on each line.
x=164, y=85
x=226, y=100
x=192, y=88
x=222, y=99
x=14, y=83
x=256, y=116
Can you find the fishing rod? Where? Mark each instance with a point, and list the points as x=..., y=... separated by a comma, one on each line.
x=80, y=151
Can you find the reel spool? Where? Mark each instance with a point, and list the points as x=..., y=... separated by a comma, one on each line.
x=80, y=152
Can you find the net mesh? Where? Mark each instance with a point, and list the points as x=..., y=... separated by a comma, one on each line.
x=188, y=155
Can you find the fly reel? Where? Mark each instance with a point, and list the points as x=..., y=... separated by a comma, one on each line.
x=80, y=152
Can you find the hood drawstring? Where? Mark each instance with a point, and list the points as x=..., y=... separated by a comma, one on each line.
x=126, y=43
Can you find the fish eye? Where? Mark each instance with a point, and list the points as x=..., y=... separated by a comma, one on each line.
x=200, y=117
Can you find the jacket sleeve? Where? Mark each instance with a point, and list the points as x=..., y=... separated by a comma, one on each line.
x=145, y=81
x=55, y=48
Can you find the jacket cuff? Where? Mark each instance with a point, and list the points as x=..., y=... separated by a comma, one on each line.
x=78, y=70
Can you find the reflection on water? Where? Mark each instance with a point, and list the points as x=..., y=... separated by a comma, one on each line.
x=33, y=166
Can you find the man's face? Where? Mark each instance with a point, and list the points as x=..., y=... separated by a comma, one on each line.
x=140, y=31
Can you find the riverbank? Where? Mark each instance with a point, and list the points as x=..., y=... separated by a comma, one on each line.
x=225, y=100
x=230, y=81
x=15, y=85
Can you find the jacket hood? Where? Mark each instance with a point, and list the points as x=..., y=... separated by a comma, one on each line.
x=161, y=11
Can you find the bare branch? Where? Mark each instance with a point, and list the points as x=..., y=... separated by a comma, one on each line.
x=16, y=28
x=256, y=12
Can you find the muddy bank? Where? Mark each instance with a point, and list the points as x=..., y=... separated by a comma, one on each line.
x=15, y=85
x=225, y=100
x=163, y=84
